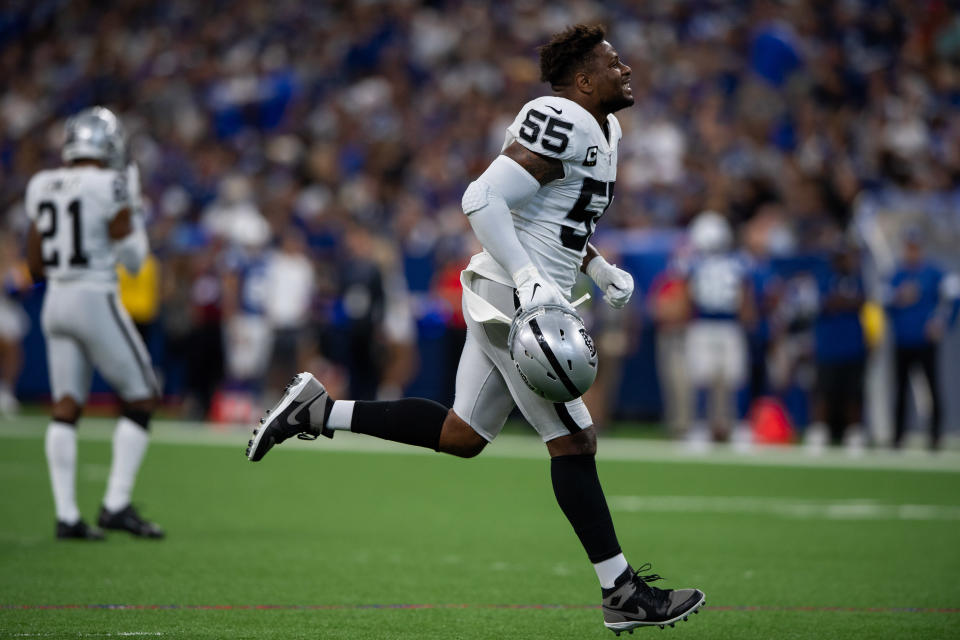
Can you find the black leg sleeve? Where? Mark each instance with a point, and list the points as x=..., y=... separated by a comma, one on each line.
x=578, y=491
x=415, y=421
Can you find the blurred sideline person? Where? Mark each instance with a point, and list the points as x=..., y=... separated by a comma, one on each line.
x=289, y=293
x=922, y=302
x=534, y=211
x=82, y=223
x=670, y=309
x=720, y=298
x=14, y=321
x=399, y=327
x=358, y=337
x=841, y=355
x=248, y=336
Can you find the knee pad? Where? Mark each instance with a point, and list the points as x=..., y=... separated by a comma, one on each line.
x=139, y=416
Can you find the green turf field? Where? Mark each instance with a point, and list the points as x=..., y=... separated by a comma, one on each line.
x=327, y=542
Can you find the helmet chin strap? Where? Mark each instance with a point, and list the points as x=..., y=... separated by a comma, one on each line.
x=579, y=301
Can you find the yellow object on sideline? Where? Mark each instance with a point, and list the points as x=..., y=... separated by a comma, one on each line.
x=140, y=293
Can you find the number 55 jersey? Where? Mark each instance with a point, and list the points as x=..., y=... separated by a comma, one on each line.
x=71, y=208
x=556, y=223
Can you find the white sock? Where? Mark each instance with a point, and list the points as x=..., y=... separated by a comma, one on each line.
x=341, y=415
x=60, y=444
x=129, y=444
x=609, y=570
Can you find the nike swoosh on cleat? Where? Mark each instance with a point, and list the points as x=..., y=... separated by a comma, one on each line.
x=303, y=415
x=558, y=111
x=535, y=285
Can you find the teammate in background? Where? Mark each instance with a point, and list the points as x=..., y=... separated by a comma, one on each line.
x=82, y=223
x=721, y=298
x=533, y=210
x=923, y=303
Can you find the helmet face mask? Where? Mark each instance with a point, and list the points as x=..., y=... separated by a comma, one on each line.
x=95, y=134
x=553, y=352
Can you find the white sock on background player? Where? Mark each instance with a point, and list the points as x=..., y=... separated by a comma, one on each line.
x=341, y=415
x=129, y=444
x=610, y=569
x=60, y=445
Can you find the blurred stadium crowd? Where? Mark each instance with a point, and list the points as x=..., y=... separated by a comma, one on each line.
x=303, y=165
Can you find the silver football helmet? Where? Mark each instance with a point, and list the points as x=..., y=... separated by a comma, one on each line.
x=95, y=133
x=553, y=352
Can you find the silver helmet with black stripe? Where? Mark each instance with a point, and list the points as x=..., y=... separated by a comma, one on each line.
x=553, y=352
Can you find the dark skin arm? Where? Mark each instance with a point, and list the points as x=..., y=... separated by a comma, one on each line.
x=542, y=168
x=748, y=307
x=35, y=254
x=121, y=226
x=591, y=254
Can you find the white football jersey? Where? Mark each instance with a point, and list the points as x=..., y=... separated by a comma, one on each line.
x=71, y=208
x=556, y=223
x=716, y=285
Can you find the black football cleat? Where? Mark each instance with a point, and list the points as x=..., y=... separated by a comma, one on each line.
x=79, y=530
x=632, y=603
x=303, y=404
x=127, y=519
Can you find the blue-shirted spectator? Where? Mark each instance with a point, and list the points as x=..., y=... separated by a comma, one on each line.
x=841, y=352
x=922, y=303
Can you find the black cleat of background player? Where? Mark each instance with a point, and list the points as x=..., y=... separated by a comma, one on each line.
x=79, y=530
x=127, y=519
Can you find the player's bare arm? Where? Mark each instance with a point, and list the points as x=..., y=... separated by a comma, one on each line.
x=35, y=254
x=122, y=225
x=591, y=254
x=541, y=167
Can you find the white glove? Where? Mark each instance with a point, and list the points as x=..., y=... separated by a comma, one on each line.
x=616, y=284
x=533, y=289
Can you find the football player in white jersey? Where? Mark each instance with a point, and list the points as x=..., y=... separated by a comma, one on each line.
x=720, y=297
x=84, y=219
x=533, y=210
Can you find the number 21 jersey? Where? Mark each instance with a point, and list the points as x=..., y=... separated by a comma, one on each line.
x=556, y=223
x=71, y=208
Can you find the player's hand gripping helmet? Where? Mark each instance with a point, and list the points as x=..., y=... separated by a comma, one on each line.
x=553, y=352
x=95, y=133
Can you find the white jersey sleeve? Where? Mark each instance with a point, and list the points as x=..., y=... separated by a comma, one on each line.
x=555, y=225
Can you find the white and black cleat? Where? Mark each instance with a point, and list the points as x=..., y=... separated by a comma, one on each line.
x=632, y=603
x=303, y=405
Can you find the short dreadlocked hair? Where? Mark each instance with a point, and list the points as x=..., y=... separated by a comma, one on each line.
x=567, y=52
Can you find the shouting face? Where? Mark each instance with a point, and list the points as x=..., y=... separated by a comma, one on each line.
x=611, y=79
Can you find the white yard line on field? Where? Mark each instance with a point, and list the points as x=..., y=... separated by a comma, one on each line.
x=792, y=508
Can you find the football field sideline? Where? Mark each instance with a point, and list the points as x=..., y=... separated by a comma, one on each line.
x=511, y=445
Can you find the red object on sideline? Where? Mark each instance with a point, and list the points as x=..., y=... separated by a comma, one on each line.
x=770, y=423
